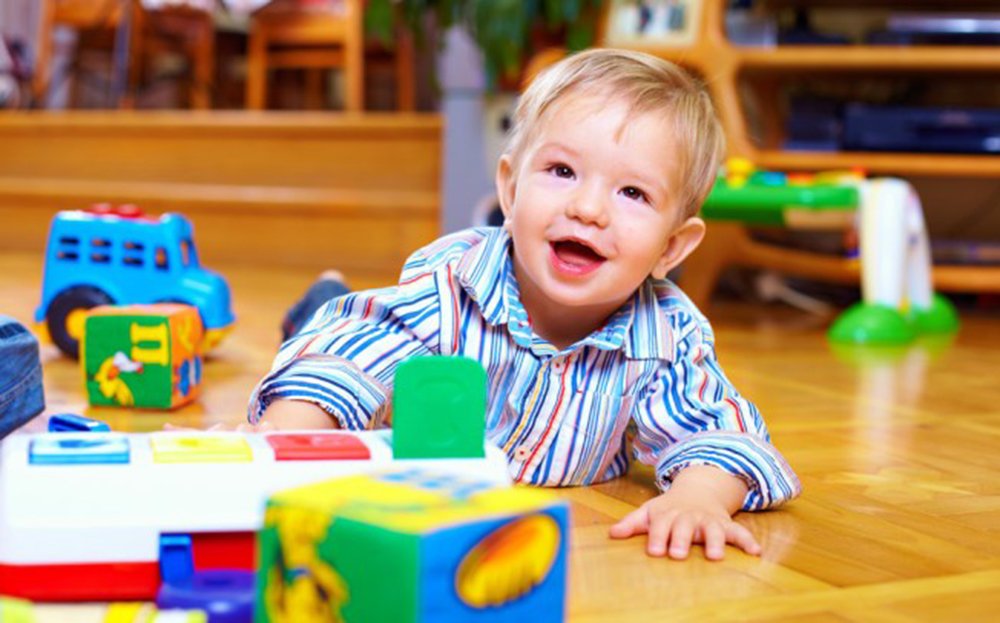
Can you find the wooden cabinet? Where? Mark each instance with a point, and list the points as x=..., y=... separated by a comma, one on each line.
x=735, y=74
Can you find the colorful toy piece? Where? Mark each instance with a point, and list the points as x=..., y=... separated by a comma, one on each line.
x=134, y=612
x=73, y=423
x=16, y=611
x=106, y=516
x=452, y=548
x=898, y=299
x=767, y=198
x=142, y=355
x=118, y=256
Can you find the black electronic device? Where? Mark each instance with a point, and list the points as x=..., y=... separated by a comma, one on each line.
x=920, y=129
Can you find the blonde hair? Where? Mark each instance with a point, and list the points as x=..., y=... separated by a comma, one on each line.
x=647, y=84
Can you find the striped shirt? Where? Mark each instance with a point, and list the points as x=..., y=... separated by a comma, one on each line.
x=560, y=416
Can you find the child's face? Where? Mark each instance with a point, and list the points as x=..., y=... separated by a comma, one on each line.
x=592, y=206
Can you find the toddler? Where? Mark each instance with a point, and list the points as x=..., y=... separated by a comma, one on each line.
x=568, y=308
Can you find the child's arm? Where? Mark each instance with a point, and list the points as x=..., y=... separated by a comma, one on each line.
x=339, y=372
x=697, y=508
x=295, y=414
x=711, y=450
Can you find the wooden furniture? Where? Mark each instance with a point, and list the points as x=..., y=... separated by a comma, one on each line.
x=309, y=190
x=88, y=17
x=318, y=36
x=732, y=73
x=149, y=33
x=901, y=502
x=172, y=30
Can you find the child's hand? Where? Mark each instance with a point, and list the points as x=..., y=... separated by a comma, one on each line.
x=296, y=415
x=696, y=509
x=244, y=427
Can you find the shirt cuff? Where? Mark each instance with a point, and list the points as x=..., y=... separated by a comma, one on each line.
x=748, y=457
x=332, y=383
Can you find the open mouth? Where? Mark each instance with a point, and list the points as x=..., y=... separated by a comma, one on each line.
x=575, y=256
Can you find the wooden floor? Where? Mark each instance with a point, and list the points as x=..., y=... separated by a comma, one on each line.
x=899, y=454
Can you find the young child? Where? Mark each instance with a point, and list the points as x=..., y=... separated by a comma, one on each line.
x=568, y=308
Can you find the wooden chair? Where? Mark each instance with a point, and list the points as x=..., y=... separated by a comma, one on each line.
x=176, y=29
x=86, y=16
x=317, y=35
x=150, y=33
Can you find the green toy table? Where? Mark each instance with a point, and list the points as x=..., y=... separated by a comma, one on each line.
x=761, y=203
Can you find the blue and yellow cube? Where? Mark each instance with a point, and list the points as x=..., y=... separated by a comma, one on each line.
x=142, y=355
x=409, y=547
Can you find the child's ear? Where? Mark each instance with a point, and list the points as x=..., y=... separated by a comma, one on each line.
x=505, y=186
x=682, y=242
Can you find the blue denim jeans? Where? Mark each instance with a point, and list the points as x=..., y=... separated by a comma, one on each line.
x=315, y=297
x=21, y=394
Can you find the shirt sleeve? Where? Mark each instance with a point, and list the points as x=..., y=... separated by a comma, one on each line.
x=692, y=415
x=345, y=358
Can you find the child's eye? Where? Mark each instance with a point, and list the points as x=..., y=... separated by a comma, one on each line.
x=634, y=193
x=561, y=170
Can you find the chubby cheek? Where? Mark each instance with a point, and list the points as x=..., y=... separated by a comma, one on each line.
x=528, y=224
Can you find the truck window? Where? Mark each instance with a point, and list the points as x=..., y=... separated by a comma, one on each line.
x=68, y=248
x=188, y=254
x=100, y=250
x=133, y=255
x=160, y=259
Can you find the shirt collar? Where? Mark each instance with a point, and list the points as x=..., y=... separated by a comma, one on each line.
x=486, y=272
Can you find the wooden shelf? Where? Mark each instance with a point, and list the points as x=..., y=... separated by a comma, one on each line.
x=958, y=165
x=872, y=57
x=723, y=65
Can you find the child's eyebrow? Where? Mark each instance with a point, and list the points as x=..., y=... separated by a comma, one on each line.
x=552, y=146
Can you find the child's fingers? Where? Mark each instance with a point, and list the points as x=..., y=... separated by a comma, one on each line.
x=219, y=426
x=659, y=533
x=263, y=427
x=681, y=535
x=176, y=427
x=633, y=523
x=742, y=538
x=715, y=540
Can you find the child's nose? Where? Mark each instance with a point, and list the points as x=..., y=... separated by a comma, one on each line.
x=589, y=207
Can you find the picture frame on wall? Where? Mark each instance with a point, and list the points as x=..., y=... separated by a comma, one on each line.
x=639, y=23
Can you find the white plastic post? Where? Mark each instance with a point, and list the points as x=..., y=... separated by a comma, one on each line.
x=895, y=252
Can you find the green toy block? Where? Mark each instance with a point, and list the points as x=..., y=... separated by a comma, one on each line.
x=872, y=324
x=412, y=547
x=142, y=355
x=439, y=408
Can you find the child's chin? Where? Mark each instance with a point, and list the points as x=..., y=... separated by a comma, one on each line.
x=576, y=295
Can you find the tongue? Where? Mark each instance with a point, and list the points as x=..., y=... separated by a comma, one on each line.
x=576, y=254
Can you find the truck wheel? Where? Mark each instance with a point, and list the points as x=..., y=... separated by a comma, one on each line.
x=65, y=316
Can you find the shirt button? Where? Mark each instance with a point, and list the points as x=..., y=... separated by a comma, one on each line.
x=522, y=453
x=558, y=366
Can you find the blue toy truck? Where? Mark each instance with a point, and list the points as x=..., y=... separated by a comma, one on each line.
x=119, y=256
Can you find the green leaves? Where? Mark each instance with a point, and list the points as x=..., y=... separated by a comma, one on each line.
x=503, y=29
x=379, y=20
